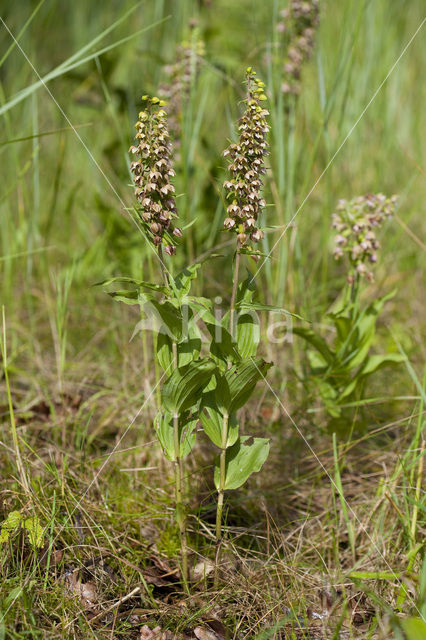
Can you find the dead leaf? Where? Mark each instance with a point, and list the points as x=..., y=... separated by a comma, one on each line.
x=85, y=591
x=155, y=634
x=206, y=634
x=202, y=570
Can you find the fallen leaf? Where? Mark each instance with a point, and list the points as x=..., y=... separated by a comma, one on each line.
x=155, y=634
x=206, y=634
x=85, y=591
x=202, y=570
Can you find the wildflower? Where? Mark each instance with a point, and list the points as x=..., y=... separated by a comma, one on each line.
x=299, y=22
x=181, y=76
x=246, y=165
x=355, y=222
x=151, y=175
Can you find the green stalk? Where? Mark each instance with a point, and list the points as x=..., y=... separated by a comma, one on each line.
x=220, y=493
x=179, y=490
x=234, y=293
x=225, y=423
x=178, y=463
x=355, y=291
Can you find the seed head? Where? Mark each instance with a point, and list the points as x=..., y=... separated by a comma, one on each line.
x=152, y=172
x=247, y=165
x=354, y=222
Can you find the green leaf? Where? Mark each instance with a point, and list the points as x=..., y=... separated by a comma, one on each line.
x=212, y=421
x=141, y=284
x=248, y=335
x=371, y=365
x=349, y=389
x=256, y=306
x=414, y=628
x=187, y=350
x=164, y=350
x=355, y=349
x=184, y=278
x=222, y=393
x=242, y=379
x=317, y=363
x=12, y=521
x=126, y=296
x=343, y=327
x=185, y=385
x=34, y=532
x=170, y=316
x=246, y=290
x=242, y=460
x=316, y=341
x=165, y=432
x=222, y=347
x=376, y=362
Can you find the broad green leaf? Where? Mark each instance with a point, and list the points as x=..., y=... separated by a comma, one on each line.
x=183, y=280
x=316, y=341
x=222, y=347
x=164, y=350
x=317, y=363
x=246, y=290
x=212, y=421
x=185, y=385
x=343, y=326
x=371, y=365
x=414, y=628
x=34, y=531
x=248, y=335
x=170, y=316
x=164, y=427
x=356, y=347
x=376, y=362
x=329, y=395
x=165, y=432
x=222, y=393
x=242, y=379
x=242, y=460
x=12, y=521
x=190, y=346
x=187, y=350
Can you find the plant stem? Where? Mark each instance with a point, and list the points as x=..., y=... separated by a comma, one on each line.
x=225, y=423
x=178, y=463
x=234, y=293
x=355, y=290
x=163, y=266
x=220, y=493
x=179, y=491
